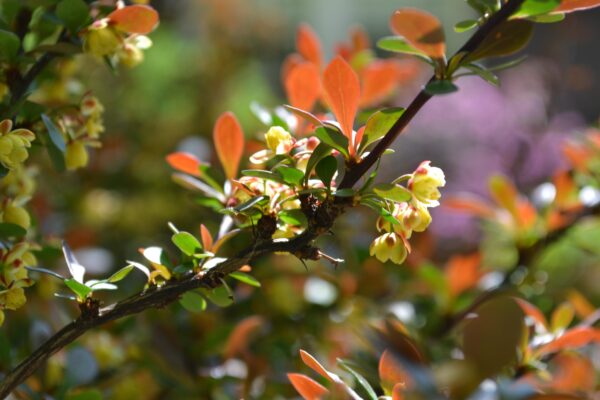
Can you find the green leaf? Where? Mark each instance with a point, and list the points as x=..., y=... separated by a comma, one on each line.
x=292, y=217
x=74, y=13
x=193, y=302
x=187, y=243
x=348, y=192
x=397, y=44
x=483, y=73
x=46, y=271
x=8, y=230
x=81, y=290
x=9, y=45
x=219, y=296
x=57, y=147
x=255, y=201
x=100, y=285
x=439, y=87
x=548, y=18
x=321, y=151
x=379, y=124
x=291, y=176
x=247, y=279
x=506, y=39
x=91, y=394
x=466, y=25
x=120, y=274
x=3, y=171
x=333, y=138
x=263, y=174
x=531, y=8
x=326, y=169
x=392, y=192
x=359, y=378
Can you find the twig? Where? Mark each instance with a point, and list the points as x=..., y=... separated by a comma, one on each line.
x=172, y=290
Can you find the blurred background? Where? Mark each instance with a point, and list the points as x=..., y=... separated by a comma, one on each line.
x=212, y=56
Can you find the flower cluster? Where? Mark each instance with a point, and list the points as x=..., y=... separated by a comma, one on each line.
x=13, y=276
x=410, y=216
x=14, y=144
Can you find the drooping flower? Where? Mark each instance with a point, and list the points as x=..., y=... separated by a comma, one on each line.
x=279, y=140
x=101, y=39
x=14, y=144
x=389, y=246
x=425, y=182
x=76, y=155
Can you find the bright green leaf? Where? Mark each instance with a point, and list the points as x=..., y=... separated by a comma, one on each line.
x=531, y=8
x=291, y=176
x=392, y=192
x=333, y=138
x=268, y=175
x=379, y=124
x=193, y=302
x=81, y=290
x=466, y=25
x=187, y=243
x=247, y=279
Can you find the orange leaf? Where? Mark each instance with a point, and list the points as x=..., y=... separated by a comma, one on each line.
x=462, y=272
x=237, y=343
x=185, y=162
x=289, y=63
x=565, y=188
x=308, y=44
x=532, y=311
x=421, y=29
x=583, y=308
x=391, y=372
x=342, y=90
x=135, y=19
x=576, y=337
x=312, y=363
x=207, y=240
x=572, y=373
x=303, y=86
x=397, y=391
x=379, y=79
x=360, y=39
x=306, y=387
x=470, y=204
x=567, y=6
x=504, y=193
x=229, y=143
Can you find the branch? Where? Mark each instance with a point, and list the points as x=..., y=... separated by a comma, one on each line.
x=300, y=246
x=356, y=171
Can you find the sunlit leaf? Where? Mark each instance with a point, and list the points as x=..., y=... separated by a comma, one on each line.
x=359, y=378
x=422, y=30
x=316, y=366
x=532, y=312
x=306, y=387
x=326, y=169
x=229, y=143
x=573, y=338
x=321, y=151
x=342, y=91
x=137, y=18
x=333, y=138
x=77, y=270
x=187, y=243
x=185, y=162
x=397, y=44
x=81, y=290
x=465, y=25
x=392, y=192
x=291, y=176
x=567, y=6
x=470, y=204
x=246, y=278
x=239, y=339
x=308, y=44
x=532, y=8
x=379, y=124
x=380, y=77
x=391, y=372
x=207, y=239
x=303, y=86
x=562, y=317
x=304, y=114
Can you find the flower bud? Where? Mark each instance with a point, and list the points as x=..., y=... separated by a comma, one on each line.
x=101, y=39
x=279, y=140
x=416, y=217
x=76, y=155
x=389, y=246
x=13, y=298
x=425, y=182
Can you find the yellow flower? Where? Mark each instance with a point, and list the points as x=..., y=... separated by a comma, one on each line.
x=389, y=246
x=131, y=53
x=279, y=140
x=14, y=144
x=76, y=155
x=425, y=182
x=13, y=298
x=416, y=217
x=90, y=106
x=101, y=39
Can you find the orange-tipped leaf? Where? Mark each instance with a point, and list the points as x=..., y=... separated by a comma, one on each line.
x=137, y=18
x=229, y=143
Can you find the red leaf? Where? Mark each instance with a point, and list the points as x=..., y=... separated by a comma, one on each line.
x=576, y=337
x=207, y=239
x=313, y=364
x=532, y=311
x=421, y=29
x=308, y=44
x=342, y=90
x=290, y=62
x=470, y=204
x=391, y=372
x=237, y=343
x=303, y=86
x=229, y=143
x=185, y=162
x=462, y=272
x=138, y=18
x=381, y=77
x=306, y=387
x=567, y=6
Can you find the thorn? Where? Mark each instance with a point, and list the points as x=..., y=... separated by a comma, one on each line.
x=303, y=263
x=334, y=261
